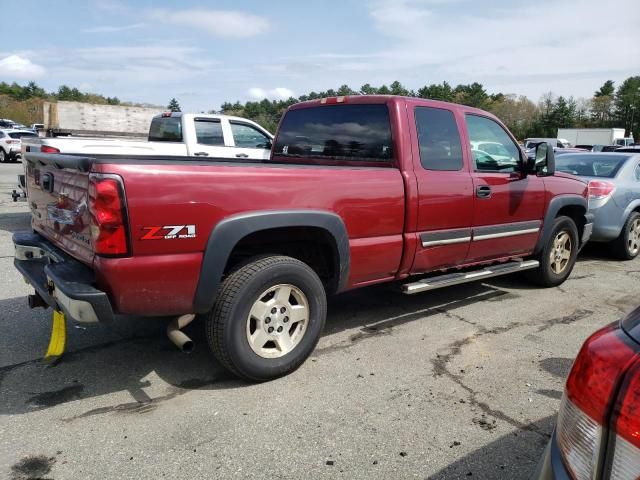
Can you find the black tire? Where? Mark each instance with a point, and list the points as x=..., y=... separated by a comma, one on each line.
x=621, y=247
x=226, y=324
x=545, y=275
x=4, y=158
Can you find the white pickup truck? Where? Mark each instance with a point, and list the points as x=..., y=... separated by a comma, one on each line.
x=173, y=134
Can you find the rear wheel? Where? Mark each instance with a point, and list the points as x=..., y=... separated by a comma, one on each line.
x=3, y=156
x=558, y=256
x=627, y=245
x=267, y=318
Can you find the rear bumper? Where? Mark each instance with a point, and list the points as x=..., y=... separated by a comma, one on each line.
x=61, y=281
x=550, y=466
x=587, y=231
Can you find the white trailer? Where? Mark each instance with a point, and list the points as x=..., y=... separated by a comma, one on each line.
x=595, y=136
x=76, y=118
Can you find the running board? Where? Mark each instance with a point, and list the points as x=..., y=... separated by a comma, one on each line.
x=450, y=279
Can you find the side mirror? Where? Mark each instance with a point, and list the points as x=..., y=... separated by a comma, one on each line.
x=545, y=160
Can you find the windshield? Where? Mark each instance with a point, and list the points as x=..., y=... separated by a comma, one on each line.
x=338, y=132
x=591, y=165
x=22, y=134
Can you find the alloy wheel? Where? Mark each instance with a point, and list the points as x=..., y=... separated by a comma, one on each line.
x=277, y=321
x=561, y=252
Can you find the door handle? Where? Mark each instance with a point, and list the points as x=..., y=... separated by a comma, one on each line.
x=242, y=155
x=483, y=191
x=201, y=154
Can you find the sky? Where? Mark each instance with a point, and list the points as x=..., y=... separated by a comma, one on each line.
x=207, y=52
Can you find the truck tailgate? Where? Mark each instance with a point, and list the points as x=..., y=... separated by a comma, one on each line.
x=58, y=199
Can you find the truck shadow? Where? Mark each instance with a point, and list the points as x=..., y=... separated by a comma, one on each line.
x=134, y=355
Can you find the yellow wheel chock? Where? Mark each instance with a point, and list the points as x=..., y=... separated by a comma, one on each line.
x=58, y=336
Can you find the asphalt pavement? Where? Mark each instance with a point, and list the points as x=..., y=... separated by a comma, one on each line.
x=457, y=383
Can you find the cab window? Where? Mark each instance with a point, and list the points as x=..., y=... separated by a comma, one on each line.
x=246, y=136
x=209, y=132
x=492, y=149
x=439, y=139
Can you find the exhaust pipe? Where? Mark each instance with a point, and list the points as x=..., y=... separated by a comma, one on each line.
x=178, y=337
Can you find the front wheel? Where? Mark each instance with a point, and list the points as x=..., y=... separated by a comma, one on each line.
x=267, y=318
x=558, y=255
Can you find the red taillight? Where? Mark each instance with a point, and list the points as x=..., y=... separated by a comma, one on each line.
x=627, y=410
x=13, y=142
x=599, y=189
x=108, y=215
x=595, y=379
x=626, y=456
x=48, y=149
x=597, y=369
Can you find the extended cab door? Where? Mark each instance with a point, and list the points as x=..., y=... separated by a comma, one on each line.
x=249, y=141
x=208, y=138
x=508, y=206
x=445, y=189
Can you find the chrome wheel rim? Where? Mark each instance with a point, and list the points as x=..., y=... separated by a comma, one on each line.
x=633, y=243
x=560, y=253
x=277, y=321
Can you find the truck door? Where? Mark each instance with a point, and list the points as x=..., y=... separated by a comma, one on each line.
x=508, y=206
x=249, y=142
x=445, y=189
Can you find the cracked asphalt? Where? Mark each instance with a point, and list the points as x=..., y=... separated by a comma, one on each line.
x=458, y=383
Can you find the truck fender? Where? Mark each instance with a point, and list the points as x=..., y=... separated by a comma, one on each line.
x=228, y=232
x=555, y=205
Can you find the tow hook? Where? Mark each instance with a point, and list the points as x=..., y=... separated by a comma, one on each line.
x=36, y=301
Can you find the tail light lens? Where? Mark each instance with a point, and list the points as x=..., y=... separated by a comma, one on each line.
x=589, y=395
x=13, y=142
x=599, y=189
x=626, y=457
x=108, y=215
x=48, y=149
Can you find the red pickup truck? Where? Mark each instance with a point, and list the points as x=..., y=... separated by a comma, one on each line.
x=358, y=190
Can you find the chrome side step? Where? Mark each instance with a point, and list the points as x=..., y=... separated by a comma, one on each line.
x=450, y=279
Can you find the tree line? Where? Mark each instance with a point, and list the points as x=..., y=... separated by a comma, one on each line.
x=608, y=107
x=64, y=93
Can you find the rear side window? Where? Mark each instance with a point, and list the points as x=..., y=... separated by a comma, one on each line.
x=590, y=165
x=439, y=139
x=337, y=132
x=209, y=132
x=165, y=129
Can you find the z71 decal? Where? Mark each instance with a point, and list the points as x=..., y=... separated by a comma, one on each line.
x=169, y=232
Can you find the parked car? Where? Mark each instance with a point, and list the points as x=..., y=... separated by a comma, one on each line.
x=6, y=123
x=598, y=429
x=631, y=149
x=614, y=197
x=554, y=142
x=175, y=134
x=11, y=144
x=357, y=191
x=37, y=127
